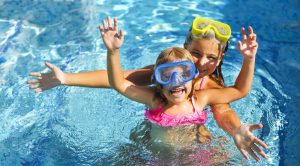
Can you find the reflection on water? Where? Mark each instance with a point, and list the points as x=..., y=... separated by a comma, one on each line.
x=82, y=126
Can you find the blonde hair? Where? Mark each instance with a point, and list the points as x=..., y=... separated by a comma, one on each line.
x=172, y=54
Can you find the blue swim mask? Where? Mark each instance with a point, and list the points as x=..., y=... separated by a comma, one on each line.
x=175, y=73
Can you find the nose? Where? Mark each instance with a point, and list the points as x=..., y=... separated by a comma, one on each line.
x=201, y=62
x=176, y=80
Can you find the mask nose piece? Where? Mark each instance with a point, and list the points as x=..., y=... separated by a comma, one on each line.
x=176, y=80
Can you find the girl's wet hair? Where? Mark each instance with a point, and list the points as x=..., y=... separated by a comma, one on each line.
x=173, y=54
x=217, y=75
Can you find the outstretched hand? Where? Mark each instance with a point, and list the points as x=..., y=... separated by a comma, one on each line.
x=248, y=46
x=45, y=81
x=247, y=142
x=110, y=36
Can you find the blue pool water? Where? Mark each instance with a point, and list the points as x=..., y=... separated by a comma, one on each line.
x=85, y=126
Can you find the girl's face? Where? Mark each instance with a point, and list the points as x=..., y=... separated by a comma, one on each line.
x=206, y=55
x=179, y=93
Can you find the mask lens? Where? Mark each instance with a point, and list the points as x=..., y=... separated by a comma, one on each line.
x=201, y=25
x=170, y=73
x=221, y=30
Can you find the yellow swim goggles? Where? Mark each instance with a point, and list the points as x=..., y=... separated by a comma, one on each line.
x=201, y=25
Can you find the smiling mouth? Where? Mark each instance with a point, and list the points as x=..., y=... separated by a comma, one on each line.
x=177, y=91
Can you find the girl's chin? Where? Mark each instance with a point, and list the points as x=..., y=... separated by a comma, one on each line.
x=202, y=74
x=178, y=98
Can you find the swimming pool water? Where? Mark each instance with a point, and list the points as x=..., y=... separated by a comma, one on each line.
x=86, y=126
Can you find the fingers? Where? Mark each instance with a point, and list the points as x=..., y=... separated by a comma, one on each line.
x=255, y=127
x=109, y=23
x=35, y=86
x=250, y=151
x=259, y=151
x=251, y=36
x=42, y=89
x=121, y=35
x=260, y=142
x=101, y=30
x=250, y=29
x=50, y=66
x=116, y=26
x=104, y=24
x=33, y=81
x=244, y=36
x=38, y=90
x=240, y=45
x=108, y=26
x=244, y=153
x=36, y=74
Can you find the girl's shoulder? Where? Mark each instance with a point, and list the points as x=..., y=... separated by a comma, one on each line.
x=206, y=83
x=157, y=99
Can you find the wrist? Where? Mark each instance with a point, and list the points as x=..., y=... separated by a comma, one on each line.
x=113, y=51
x=249, y=58
x=235, y=130
x=64, y=79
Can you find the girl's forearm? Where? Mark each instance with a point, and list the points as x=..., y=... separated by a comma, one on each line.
x=99, y=78
x=93, y=79
x=115, y=74
x=226, y=119
x=244, y=80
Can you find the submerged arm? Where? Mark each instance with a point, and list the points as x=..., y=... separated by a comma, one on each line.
x=226, y=118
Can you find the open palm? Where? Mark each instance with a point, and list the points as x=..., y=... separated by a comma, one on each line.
x=248, y=46
x=45, y=81
x=247, y=142
x=110, y=36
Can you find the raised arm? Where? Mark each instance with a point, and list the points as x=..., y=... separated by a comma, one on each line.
x=113, y=42
x=248, y=48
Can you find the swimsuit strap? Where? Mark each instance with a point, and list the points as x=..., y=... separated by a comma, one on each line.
x=202, y=82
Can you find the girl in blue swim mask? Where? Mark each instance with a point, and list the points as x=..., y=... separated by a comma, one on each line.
x=207, y=52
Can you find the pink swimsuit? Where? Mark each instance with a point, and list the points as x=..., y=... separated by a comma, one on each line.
x=159, y=117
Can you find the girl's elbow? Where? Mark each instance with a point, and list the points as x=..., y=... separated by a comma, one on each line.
x=244, y=93
x=114, y=85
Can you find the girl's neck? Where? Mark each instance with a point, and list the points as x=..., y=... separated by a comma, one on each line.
x=184, y=107
x=178, y=105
